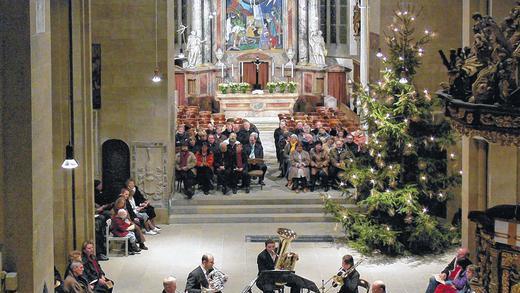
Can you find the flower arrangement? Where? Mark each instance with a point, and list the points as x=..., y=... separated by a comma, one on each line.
x=282, y=85
x=244, y=87
x=271, y=86
x=291, y=86
x=234, y=87
x=223, y=87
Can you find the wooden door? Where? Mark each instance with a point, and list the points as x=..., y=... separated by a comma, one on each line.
x=337, y=87
x=181, y=90
x=249, y=75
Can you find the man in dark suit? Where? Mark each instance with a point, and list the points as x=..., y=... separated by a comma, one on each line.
x=350, y=282
x=198, y=278
x=266, y=261
x=254, y=150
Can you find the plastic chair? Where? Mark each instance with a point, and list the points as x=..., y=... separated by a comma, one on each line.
x=109, y=238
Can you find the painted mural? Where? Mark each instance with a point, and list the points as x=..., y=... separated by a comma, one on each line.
x=254, y=24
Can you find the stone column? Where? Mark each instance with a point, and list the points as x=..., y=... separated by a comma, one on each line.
x=502, y=175
x=365, y=45
x=26, y=143
x=314, y=26
x=303, y=37
x=196, y=18
x=207, y=10
x=172, y=106
x=473, y=187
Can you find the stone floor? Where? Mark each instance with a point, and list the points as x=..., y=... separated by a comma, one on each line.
x=177, y=251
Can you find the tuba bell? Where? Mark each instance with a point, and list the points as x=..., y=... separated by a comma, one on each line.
x=286, y=260
x=216, y=280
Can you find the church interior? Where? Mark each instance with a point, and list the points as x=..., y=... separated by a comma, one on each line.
x=250, y=146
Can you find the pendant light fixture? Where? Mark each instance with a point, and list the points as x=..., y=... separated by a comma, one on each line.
x=70, y=162
x=156, y=73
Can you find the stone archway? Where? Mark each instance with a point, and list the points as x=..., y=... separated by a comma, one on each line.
x=116, y=166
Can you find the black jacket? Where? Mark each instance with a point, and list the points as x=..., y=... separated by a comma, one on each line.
x=350, y=283
x=462, y=262
x=265, y=262
x=180, y=139
x=259, y=150
x=196, y=280
x=90, y=272
x=138, y=197
x=243, y=136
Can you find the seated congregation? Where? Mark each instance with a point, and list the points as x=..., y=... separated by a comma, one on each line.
x=228, y=152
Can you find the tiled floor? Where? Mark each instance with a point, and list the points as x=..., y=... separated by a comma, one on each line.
x=177, y=250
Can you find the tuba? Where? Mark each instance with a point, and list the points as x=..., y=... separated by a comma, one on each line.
x=286, y=260
x=216, y=280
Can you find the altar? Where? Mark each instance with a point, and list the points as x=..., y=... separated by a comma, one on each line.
x=263, y=105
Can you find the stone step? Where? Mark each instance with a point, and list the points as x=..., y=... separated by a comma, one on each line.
x=252, y=209
x=255, y=198
x=250, y=218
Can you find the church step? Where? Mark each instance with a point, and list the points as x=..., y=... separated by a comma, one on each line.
x=255, y=198
x=251, y=209
x=251, y=218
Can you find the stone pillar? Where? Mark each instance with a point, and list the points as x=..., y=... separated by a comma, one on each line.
x=473, y=187
x=196, y=18
x=502, y=175
x=26, y=157
x=365, y=45
x=172, y=106
x=207, y=8
x=314, y=27
x=303, y=37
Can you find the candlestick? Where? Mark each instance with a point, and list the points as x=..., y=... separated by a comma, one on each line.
x=272, y=69
x=283, y=70
x=222, y=70
x=292, y=70
x=241, y=70
x=232, y=70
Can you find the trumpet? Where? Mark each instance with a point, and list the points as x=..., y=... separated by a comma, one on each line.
x=337, y=279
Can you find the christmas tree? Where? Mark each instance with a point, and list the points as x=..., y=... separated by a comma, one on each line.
x=401, y=178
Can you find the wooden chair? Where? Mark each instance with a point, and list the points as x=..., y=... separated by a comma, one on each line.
x=255, y=173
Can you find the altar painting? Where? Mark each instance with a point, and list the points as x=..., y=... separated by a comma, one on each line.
x=254, y=24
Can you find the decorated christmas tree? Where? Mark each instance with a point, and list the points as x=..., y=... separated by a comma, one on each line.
x=401, y=178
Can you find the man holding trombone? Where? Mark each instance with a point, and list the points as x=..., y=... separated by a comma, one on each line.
x=348, y=276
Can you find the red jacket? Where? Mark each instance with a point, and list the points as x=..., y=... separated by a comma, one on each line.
x=119, y=227
x=209, y=160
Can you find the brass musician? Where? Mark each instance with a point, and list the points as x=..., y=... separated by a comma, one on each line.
x=348, y=276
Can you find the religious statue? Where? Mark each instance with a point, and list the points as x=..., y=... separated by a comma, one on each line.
x=318, y=50
x=356, y=22
x=257, y=63
x=194, y=49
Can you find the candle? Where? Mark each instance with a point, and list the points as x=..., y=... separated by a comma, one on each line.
x=292, y=70
x=272, y=71
x=283, y=70
x=222, y=70
x=241, y=69
x=232, y=70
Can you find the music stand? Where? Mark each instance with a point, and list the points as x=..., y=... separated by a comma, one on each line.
x=268, y=280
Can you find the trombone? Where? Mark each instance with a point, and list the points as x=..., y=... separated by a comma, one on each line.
x=337, y=279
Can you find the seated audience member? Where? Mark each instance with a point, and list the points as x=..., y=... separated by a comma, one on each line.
x=140, y=218
x=232, y=141
x=229, y=127
x=317, y=126
x=307, y=142
x=192, y=144
x=213, y=144
x=219, y=135
x=338, y=131
x=58, y=282
x=289, y=148
x=460, y=284
x=143, y=205
x=459, y=262
x=74, y=256
x=202, y=139
x=306, y=130
x=75, y=281
x=299, y=172
x=185, y=162
x=254, y=150
x=337, y=156
x=224, y=166
x=236, y=128
x=92, y=269
x=204, y=168
x=121, y=203
x=244, y=133
x=282, y=142
x=102, y=215
x=210, y=129
x=328, y=144
x=322, y=133
x=471, y=273
x=319, y=166
x=170, y=285
x=378, y=287
x=299, y=128
x=350, y=145
x=122, y=226
x=180, y=136
x=240, y=169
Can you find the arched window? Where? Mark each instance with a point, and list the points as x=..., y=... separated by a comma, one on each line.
x=334, y=20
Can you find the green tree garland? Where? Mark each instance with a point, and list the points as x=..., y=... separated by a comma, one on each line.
x=401, y=176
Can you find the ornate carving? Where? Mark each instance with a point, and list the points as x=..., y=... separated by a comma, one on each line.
x=486, y=73
x=302, y=32
x=149, y=167
x=356, y=21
